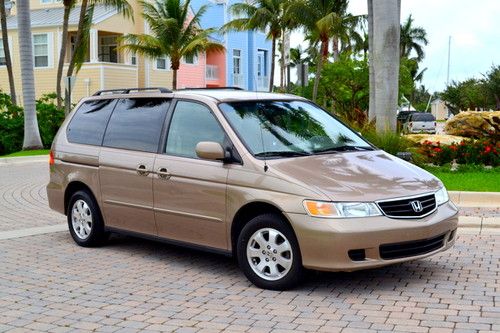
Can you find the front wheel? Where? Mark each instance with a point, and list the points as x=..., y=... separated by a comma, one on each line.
x=268, y=253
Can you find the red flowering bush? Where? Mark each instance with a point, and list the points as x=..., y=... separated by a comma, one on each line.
x=484, y=152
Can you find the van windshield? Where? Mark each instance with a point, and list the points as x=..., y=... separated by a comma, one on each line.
x=289, y=128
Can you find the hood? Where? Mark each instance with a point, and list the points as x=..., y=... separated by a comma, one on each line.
x=357, y=176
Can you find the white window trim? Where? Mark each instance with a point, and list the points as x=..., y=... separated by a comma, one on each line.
x=49, y=2
x=195, y=61
x=10, y=48
x=167, y=64
x=50, y=50
x=239, y=57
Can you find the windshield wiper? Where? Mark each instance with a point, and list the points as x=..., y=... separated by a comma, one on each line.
x=284, y=153
x=342, y=148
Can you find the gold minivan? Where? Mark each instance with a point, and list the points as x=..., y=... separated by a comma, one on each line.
x=272, y=179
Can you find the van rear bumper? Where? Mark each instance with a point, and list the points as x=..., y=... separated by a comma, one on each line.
x=353, y=244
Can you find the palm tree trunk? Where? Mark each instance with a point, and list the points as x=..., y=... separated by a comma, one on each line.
x=335, y=42
x=62, y=54
x=6, y=50
x=371, y=104
x=323, y=55
x=32, y=138
x=282, y=60
x=174, y=80
x=273, y=56
x=79, y=36
x=386, y=33
x=72, y=62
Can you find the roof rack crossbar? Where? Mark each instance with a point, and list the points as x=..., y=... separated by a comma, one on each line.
x=128, y=90
x=213, y=88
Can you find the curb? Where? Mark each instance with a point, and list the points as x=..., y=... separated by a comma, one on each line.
x=24, y=159
x=479, y=223
x=475, y=199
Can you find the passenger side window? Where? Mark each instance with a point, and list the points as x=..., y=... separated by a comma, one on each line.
x=192, y=123
x=89, y=122
x=136, y=124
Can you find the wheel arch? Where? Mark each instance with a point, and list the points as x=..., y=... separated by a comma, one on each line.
x=74, y=187
x=248, y=212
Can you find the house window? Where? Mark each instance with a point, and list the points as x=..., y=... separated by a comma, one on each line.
x=236, y=61
x=2, y=54
x=133, y=58
x=108, y=49
x=41, y=50
x=191, y=59
x=162, y=63
x=261, y=62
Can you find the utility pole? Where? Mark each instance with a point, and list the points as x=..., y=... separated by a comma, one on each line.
x=448, y=72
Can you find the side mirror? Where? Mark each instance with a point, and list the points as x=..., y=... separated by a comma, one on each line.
x=210, y=150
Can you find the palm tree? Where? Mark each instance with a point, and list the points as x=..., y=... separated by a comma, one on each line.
x=172, y=33
x=412, y=39
x=6, y=51
x=262, y=15
x=383, y=18
x=68, y=6
x=323, y=20
x=32, y=138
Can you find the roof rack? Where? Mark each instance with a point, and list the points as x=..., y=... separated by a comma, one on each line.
x=214, y=88
x=128, y=90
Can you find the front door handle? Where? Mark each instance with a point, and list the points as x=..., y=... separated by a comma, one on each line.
x=163, y=173
x=142, y=170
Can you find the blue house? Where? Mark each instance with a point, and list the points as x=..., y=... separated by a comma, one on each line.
x=248, y=53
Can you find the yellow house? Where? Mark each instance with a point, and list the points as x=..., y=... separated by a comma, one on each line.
x=106, y=67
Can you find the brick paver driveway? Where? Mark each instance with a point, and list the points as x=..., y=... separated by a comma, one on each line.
x=47, y=283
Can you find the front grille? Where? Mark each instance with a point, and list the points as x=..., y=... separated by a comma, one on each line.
x=402, y=208
x=412, y=248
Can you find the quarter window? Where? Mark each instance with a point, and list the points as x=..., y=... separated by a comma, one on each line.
x=191, y=124
x=136, y=124
x=41, y=50
x=89, y=122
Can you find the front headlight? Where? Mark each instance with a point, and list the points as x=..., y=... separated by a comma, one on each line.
x=341, y=209
x=441, y=196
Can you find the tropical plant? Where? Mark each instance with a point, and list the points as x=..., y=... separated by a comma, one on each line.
x=384, y=67
x=6, y=51
x=173, y=33
x=492, y=79
x=264, y=15
x=82, y=35
x=323, y=20
x=412, y=39
x=68, y=6
x=32, y=138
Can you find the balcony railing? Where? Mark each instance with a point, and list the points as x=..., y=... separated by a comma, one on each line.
x=238, y=80
x=262, y=83
x=212, y=72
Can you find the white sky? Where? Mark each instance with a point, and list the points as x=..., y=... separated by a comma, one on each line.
x=474, y=27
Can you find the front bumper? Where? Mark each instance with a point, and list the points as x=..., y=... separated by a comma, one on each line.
x=326, y=244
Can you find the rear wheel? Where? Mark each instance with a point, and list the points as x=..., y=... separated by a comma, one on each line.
x=268, y=253
x=84, y=220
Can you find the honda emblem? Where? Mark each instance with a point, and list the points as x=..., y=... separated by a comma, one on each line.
x=417, y=206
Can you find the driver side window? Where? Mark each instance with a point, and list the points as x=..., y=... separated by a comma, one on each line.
x=191, y=123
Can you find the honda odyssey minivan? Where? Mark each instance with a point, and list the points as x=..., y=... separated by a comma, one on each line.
x=272, y=179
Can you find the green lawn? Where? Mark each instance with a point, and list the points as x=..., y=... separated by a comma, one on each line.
x=28, y=153
x=469, y=179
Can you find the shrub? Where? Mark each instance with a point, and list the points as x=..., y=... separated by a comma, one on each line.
x=49, y=117
x=467, y=152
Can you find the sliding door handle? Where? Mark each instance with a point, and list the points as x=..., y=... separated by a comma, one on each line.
x=142, y=170
x=163, y=173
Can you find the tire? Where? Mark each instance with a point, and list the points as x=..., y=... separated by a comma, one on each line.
x=85, y=220
x=280, y=266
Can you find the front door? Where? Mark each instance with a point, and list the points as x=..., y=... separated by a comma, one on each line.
x=126, y=163
x=190, y=193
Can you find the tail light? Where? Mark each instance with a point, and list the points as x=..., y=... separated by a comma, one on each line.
x=51, y=158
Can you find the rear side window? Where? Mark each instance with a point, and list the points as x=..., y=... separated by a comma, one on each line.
x=136, y=124
x=89, y=122
x=191, y=124
x=422, y=117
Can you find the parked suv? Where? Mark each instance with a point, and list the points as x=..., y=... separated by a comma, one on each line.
x=420, y=122
x=269, y=178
